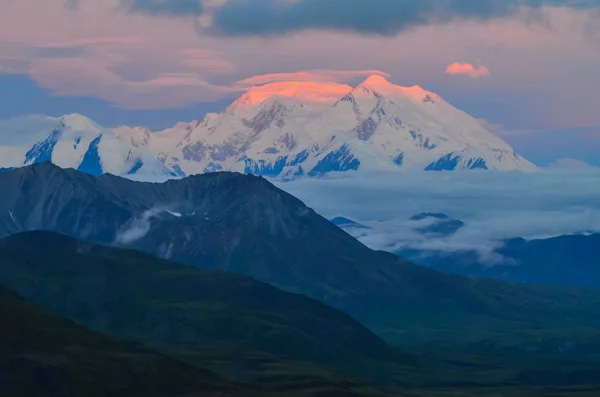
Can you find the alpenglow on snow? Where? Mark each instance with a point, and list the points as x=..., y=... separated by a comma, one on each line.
x=282, y=129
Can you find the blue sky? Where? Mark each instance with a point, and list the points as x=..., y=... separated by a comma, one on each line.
x=544, y=147
x=150, y=63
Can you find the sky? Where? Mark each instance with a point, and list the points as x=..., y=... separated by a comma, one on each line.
x=528, y=67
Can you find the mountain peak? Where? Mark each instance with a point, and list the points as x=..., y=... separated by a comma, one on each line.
x=79, y=122
x=375, y=80
x=277, y=129
x=375, y=84
x=380, y=85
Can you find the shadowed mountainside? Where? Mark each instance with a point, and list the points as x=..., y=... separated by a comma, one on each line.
x=243, y=329
x=243, y=224
x=570, y=260
x=191, y=312
x=42, y=354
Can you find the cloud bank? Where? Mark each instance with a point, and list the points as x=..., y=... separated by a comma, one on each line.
x=494, y=206
x=570, y=164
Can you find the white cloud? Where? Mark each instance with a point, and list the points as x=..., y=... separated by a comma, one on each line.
x=570, y=164
x=494, y=206
x=20, y=130
x=139, y=227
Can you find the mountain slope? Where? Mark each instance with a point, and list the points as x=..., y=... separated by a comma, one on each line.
x=244, y=224
x=183, y=309
x=42, y=354
x=563, y=260
x=283, y=129
x=217, y=320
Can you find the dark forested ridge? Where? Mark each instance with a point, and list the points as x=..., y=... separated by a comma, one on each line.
x=282, y=343
x=42, y=354
x=245, y=225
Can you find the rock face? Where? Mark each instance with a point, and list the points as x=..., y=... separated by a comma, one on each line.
x=277, y=130
x=243, y=224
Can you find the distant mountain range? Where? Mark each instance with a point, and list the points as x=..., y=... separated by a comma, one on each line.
x=277, y=130
x=243, y=224
x=570, y=260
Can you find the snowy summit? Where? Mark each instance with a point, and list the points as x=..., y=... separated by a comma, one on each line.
x=282, y=129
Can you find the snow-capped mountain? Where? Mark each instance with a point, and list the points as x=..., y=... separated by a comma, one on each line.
x=74, y=141
x=278, y=130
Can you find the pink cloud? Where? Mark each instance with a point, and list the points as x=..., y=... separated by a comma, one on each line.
x=318, y=75
x=207, y=60
x=310, y=91
x=467, y=69
x=91, y=78
x=138, y=61
x=90, y=41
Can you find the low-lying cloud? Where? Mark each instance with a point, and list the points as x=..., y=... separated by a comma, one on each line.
x=139, y=227
x=567, y=164
x=494, y=206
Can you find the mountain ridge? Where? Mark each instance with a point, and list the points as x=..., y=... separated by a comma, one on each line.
x=209, y=320
x=280, y=129
x=569, y=260
x=201, y=302
x=243, y=224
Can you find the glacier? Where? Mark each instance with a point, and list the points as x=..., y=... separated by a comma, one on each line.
x=279, y=130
